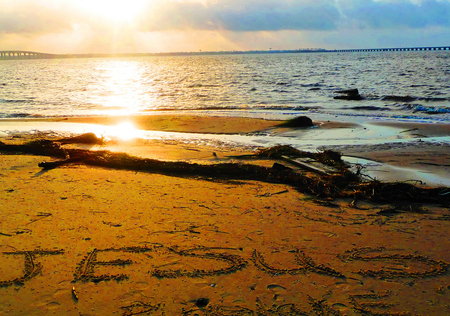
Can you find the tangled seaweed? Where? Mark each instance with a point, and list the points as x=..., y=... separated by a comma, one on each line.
x=345, y=184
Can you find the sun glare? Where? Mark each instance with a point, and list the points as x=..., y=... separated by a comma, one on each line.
x=117, y=10
x=125, y=131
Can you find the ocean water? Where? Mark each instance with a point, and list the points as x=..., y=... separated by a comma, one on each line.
x=394, y=85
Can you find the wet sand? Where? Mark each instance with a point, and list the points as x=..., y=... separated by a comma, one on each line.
x=171, y=123
x=79, y=240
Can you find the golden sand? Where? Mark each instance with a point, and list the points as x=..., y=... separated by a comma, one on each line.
x=81, y=240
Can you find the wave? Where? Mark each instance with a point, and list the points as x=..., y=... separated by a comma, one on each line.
x=368, y=108
x=199, y=85
x=431, y=110
x=258, y=106
x=307, y=85
x=407, y=98
x=17, y=115
x=13, y=101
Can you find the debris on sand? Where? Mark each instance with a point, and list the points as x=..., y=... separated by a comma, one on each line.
x=87, y=138
x=343, y=183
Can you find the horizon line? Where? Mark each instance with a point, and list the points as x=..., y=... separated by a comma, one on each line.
x=11, y=54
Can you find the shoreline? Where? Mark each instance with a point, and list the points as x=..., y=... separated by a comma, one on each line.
x=402, y=150
x=89, y=239
x=166, y=122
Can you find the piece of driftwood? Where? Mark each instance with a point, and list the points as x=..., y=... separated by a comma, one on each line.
x=311, y=165
x=47, y=165
x=344, y=184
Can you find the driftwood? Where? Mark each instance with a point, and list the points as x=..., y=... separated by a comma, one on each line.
x=344, y=184
x=54, y=164
x=312, y=165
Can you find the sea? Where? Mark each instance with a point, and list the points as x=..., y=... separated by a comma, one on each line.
x=393, y=85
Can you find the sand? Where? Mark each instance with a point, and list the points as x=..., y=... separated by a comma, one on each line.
x=80, y=240
x=171, y=123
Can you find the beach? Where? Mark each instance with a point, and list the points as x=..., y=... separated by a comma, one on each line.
x=87, y=240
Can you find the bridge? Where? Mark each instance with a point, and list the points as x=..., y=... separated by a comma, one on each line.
x=12, y=54
x=17, y=54
x=400, y=49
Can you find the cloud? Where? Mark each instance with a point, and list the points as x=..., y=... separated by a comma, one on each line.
x=395, y=14
x=276, y=15
x=29, y=17
x=55, y=16
x=243, y=15
x=223, y=24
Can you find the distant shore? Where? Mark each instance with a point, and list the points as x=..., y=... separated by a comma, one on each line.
x=8, y=55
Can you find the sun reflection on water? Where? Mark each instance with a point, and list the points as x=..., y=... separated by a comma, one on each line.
x=125, y=131
x=122, y=85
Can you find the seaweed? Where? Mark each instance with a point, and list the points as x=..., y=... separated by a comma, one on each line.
x=344, y=184
x=36, y=147
x=328, y=157
x=87, y=138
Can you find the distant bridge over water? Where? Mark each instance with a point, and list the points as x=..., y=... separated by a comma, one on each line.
x=16, y=54
x=400, y=49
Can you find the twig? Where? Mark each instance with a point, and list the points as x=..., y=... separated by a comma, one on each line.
x=270, y=194
x=44, y=215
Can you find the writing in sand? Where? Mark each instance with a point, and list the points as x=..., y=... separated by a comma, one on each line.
x=200, y=261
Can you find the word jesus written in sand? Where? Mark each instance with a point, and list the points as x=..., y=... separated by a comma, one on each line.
x=209, y=261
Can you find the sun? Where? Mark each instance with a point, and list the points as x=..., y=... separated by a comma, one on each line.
x=116, y=10
x=125, y=131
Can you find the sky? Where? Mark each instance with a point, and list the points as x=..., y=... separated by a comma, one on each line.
x=153, y=26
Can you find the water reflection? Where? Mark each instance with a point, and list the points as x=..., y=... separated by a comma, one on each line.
x=125, y=131
x=121, y=87
x=386, y=172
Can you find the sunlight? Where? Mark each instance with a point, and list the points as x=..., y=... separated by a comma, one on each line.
x=120, y=86
x=117, y=10
x=125, y=131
